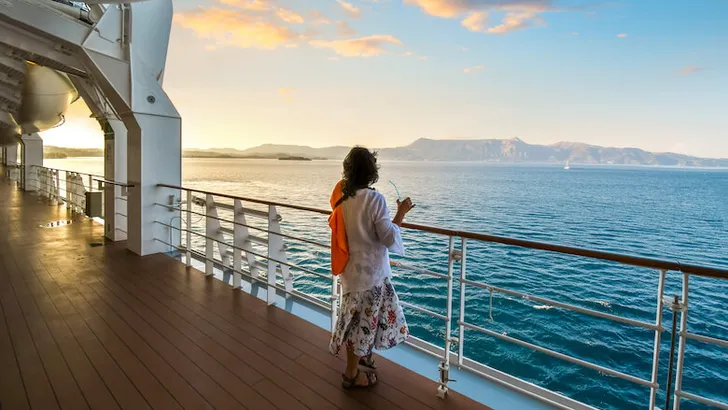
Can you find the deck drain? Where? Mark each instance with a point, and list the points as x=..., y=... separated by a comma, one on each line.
x=56, y=224
x=95, y=244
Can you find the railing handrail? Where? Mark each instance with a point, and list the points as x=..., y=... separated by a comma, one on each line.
x=639, y=261
x=65, y=170
x=111, y=182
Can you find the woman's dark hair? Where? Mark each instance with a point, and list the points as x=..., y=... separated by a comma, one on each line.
x=360, y=171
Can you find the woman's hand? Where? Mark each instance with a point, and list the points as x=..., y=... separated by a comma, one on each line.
x=403, y=207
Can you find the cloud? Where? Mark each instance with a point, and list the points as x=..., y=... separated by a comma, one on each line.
x=474, y=69
x=519, y=14
x=350, y=9
x=622, y=35
x=412, y=54
x=317, y=18
x=690, y=70
x=455, y=8
x=236, y=28
x=359, y=47
x=476, y=21
x=344, y=30
x=289, y=16
x=575, y=33
x=517, y=20
x=255, y=5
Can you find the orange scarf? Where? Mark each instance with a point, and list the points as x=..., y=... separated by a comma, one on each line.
x=339, y=243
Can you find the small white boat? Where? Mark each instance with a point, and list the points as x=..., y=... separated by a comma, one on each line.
x=566, y=166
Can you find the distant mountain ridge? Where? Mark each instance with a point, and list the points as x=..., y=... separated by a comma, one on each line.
x=502, y=150
x=425, y=149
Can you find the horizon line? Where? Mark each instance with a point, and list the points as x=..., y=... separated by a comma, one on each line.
x=424, y=138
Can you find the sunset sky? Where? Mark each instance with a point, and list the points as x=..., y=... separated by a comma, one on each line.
x=650, y=74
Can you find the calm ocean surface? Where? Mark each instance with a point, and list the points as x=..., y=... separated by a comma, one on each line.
x=679, y=214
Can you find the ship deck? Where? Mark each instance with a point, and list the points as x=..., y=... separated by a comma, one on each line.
x=88, y=324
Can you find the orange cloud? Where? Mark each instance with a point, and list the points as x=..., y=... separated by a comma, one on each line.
x=317, y=18
x=516, y=20
x=289, y=16
x=284, y=91
x=518, y=13
x=236, y=28
x=440, y=8
x=476, y=21
x=622, y=35
x=690, y=70
x=350, y=9
x=344, y=30
x=359, y=47
x=257, y=5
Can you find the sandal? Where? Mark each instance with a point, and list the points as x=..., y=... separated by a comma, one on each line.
x=368, y=362
x=348, y=383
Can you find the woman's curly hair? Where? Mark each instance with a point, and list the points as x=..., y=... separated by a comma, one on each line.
x=360, y=171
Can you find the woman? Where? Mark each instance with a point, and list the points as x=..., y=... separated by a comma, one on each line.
x=370, y=315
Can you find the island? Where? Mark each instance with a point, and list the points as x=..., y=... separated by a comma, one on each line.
x=294, y=158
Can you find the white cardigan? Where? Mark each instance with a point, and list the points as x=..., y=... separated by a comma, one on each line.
x=371, y=235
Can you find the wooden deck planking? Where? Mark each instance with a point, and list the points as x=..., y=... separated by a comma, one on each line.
x=101, y=328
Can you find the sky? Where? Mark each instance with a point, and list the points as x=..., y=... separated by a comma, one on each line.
x=651, y=74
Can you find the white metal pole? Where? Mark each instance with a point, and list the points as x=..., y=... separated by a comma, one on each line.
x=334, y=301
x=658, y=334
x=210, y=232
x=445, y=364
x=461, y=333
x=188, y=238
x=272, y=266
x=683, y=340
x=239, y=237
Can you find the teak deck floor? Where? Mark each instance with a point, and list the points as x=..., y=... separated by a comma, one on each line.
x=99, y=327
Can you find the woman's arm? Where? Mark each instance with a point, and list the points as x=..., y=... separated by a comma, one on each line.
x=388, y=231
x=402, y=208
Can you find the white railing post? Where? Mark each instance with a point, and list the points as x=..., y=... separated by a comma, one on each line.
x=683, y=339
x=81, y=195
x=47, y=184
x=72, y=189
x=247, y=242
x=658, y=334
x=210, y=231
x=444, y=367
x=240, y=235
x=272, y=266
x=69, y=194
x=277, y=249
x=461, y=330
x=57, y=187
x=188, y=237
x=334, y=301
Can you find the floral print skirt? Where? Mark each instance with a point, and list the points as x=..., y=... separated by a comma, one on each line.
x=371, y=319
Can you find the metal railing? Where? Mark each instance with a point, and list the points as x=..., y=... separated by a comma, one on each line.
x=70, y=187
x=14, y=172
x=232, y=249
